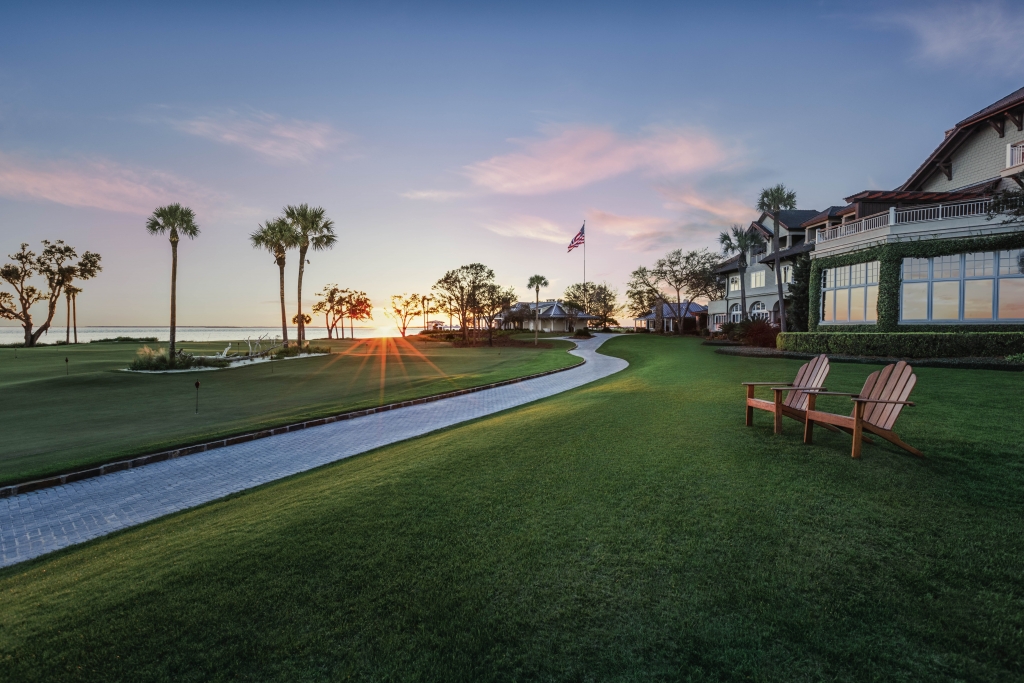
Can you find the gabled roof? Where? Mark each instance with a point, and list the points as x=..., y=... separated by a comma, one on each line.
x=551, y=310
x=957, y=135
x=999, y=107
x=794, y=218
x=822, y=216
x=787, y=253
x=669, y=311
x=728, y=264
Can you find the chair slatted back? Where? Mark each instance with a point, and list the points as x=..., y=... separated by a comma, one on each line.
x=891, y=383
x=812, y=374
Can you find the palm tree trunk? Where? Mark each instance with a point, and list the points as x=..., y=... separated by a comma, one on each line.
x=67, y=327
x=778, y=273
x=174, y=300
x=284, y=314
x=536, y=317
x=301, y=332
x=74, y=315
x=327, y=323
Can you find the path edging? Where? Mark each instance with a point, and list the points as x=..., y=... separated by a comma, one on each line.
x=141, y=460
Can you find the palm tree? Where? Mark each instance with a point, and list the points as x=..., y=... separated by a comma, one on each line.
x=740, y=241
x=176, y=220
x=277, y=236
x=313, y=230
x=535, y=283
x=773, y=200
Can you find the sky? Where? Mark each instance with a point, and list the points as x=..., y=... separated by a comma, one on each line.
x=440, y=134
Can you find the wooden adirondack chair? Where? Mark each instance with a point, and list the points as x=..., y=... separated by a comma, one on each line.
x=810, y=376
x=875, y=408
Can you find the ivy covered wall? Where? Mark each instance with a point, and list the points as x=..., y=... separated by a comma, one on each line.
x=890, y=257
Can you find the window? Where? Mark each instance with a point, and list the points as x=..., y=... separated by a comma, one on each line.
x=1014, y=155
x=982, y=286
x=757, y=279
x=758, y=311
x=735, y=313
x=734, y=283
x=850, y=294
x=787, y=275
x=717, y=320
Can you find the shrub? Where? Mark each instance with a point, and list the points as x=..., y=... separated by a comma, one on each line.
x=582, y=333
x=906, y=344
x=295, y=350
x=1016, y=358
x=760, y=333
x=150, y=360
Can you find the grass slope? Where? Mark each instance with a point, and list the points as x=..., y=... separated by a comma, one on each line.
x=629, y=530
x=54, y=423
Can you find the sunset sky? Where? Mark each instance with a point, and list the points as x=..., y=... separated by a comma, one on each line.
x=457, y=133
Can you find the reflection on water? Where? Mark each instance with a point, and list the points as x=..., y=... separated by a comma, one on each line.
x=15, y=335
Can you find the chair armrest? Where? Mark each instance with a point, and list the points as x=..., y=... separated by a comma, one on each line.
x=822, y=392
x=790, y=387
x=878, y=400
x=766, y=384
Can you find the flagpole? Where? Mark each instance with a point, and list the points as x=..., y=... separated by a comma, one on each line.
x=585, y=296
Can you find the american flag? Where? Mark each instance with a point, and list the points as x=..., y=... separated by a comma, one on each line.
x=578, y=239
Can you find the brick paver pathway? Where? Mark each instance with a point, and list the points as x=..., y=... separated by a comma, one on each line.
x=33, y=524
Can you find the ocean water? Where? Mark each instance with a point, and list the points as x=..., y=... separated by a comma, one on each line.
x=15, y=335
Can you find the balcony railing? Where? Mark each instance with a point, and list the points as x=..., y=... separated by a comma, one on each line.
x=894, y=216
x=1016, y=156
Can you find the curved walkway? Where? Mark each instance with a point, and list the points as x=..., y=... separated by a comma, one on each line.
x=36, y=523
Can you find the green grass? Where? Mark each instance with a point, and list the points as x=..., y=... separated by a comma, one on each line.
x=630, y=530
x=54, y=422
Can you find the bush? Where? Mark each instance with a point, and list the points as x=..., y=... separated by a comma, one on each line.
x=150, y=360
x=1016, y=358
x=906, y=344
x=760, y=333
x=295, y=350
x=582, y=333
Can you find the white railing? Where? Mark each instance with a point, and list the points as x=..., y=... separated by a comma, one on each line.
x=894, y=216
x=940, y=212
x=879, y=220
x=1016, y=156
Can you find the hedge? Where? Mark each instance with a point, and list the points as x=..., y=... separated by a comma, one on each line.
x=890, y=257
x=905, y=344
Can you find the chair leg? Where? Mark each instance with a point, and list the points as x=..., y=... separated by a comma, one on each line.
x=891, y=437
x=778, y=412
x=750, y=411
x=858, y=428
x=808, y=422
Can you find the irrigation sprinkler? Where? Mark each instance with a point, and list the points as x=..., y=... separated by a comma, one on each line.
x=197, y=397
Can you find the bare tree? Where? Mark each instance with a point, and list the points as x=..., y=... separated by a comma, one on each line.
x=642, y=292
x=55, y=265
x=404, y=308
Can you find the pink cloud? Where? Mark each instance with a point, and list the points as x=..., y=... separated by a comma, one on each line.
x=267, y=134
x=574, y=157
x=95, y=184
x=531, y=227
x=642, y=233
x=716, y=210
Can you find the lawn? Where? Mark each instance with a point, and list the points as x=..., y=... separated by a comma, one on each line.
x=633, y=529
x=58, y=417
